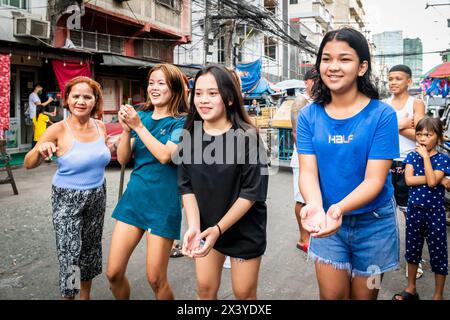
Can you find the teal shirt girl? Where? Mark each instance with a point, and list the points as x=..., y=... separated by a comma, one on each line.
x=151, y=200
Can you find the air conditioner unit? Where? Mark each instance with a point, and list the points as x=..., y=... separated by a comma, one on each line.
x=29, y=27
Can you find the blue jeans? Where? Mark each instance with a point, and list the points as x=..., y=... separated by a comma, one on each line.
x=366, y=244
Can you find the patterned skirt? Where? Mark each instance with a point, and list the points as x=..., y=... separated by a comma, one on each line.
x=78, y=217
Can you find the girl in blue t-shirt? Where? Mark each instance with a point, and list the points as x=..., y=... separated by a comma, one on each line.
x=151, y=204
x=346, y=141
x=425, y=216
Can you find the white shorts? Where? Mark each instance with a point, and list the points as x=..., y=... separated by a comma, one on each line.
x=297, y=195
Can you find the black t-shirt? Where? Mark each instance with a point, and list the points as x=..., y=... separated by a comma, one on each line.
x=232, y=165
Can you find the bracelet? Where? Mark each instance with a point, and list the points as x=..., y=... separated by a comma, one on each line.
x=220, y=230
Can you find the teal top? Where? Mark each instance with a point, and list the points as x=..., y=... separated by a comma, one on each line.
x=151, y=200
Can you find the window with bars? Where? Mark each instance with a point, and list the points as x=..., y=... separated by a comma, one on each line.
x=221, y=50
x=21, y=4
x=98, y=42
x=270, y=47
x=172, y=4
x=150, y=49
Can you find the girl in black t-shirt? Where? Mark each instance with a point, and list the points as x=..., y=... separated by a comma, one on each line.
x=223, y=179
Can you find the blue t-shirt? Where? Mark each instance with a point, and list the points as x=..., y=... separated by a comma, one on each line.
x=423, y=195
x=343, y=147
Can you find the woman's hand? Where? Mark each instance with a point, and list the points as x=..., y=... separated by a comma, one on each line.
x=191, y=241
x=130, y=116
x=312, y=218
x=333, y=221
x=210, y=235
x=47, y=149
x=422, y=150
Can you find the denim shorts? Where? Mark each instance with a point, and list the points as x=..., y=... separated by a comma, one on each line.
x=366, y=244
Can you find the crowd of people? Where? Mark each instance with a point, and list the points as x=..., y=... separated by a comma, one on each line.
x=356, y=159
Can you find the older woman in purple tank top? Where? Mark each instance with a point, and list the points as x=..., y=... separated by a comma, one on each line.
x=79, y=189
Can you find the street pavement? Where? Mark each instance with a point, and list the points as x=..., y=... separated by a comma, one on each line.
x=29, y=266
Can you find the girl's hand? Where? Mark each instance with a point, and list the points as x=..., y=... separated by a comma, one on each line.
x=47, y=149
x=122, y=115
x=333, y=222
x=190, y=241
x=312, y=218
x=130, y=116
x=422, y=150
x=210, y=235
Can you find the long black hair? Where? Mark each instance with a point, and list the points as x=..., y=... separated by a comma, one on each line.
x=231, y=95
x=358, y=42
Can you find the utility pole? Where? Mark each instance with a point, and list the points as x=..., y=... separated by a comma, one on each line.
x=228, y=42
x=206, y=28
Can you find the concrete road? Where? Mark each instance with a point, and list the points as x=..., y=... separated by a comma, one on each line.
x=29, y=268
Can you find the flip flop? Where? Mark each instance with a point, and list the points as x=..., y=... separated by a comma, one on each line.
x=303, y=247
x=406, y=296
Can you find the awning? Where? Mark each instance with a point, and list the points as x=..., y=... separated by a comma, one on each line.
x=121, y=61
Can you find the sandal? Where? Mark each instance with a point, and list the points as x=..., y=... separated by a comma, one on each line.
x=406, y=296
x=303, y=247
x=175, y=252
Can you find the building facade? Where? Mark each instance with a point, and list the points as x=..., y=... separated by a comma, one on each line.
x=413, y=58
x=389, y=52
x=249, y=41
x=113, y=41
x=347, y=13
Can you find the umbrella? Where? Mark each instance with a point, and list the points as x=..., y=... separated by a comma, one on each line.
x=289, y=84
x=440, y=71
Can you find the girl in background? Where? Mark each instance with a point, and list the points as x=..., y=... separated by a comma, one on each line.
x=425, y=216
x=41, y=121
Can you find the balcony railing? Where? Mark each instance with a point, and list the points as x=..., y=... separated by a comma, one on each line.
x=97, y=41
x=321, y=14
x=357, y=11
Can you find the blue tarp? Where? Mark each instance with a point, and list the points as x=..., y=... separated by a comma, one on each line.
x=263, y=86
x=252, y=79
x=250, y=74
